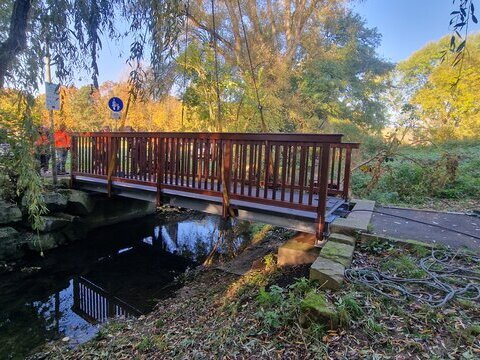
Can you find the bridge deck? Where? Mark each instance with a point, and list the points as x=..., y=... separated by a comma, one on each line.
x=284, y=179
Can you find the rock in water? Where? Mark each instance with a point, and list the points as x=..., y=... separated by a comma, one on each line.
x=8, y=242
x=79, y=202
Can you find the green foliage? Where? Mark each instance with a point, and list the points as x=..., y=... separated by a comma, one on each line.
x=421, y=251
x=272, y=297
x=145, y=344
x=418, y=174
x=377, y=246
x=374, y=328
x=346, y=82
x=19, y=167
x=472, y=332
x=348, y=309
x=74, y=35
x=280, y=306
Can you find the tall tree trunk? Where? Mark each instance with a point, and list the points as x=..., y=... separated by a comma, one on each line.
x=17, y=37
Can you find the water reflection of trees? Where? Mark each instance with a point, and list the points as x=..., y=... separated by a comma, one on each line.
x=209, y=238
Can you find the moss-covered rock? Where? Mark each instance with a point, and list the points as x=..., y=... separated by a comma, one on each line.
x=342, y=239
x=338, y=252
x=47, y=241
x=56, y=222
x=298, y=250
x=315, y=307
x=55, y=201
x=8, y=242
x=79, y=202
x=9, y=213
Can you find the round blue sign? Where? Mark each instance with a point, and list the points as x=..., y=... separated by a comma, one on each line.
x=115, y=104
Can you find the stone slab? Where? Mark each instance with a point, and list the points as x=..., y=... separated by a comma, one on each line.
x=56, y=221
x=79, y=202
x=8, y=242
x=298, y=250
x=55, y=201
x=330, y=274
x=357, y=220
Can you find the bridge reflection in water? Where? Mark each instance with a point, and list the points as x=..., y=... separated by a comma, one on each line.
x=171, y=246
x=96, y=305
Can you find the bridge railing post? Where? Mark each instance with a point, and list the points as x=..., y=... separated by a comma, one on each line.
x=347, y=170
x=226, y=169
x=110, y=164
x=73, y=160
x=321, y=230
x=161, y=168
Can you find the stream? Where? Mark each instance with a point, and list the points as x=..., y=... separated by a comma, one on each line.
x=117, y=271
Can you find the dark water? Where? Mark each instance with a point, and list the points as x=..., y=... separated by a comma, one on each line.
x=118, y=271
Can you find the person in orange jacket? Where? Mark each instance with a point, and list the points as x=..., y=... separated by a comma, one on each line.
x=62, y=145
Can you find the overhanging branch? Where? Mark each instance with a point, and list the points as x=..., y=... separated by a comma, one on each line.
x=17, y=37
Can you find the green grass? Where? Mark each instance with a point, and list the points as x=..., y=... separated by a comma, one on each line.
x=403, y=266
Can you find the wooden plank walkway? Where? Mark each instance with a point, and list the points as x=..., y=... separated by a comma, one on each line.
x=303, y=175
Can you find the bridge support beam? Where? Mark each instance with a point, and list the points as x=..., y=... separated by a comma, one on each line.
x=227, y=211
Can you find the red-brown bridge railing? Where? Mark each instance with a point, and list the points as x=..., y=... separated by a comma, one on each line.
x=295, y=171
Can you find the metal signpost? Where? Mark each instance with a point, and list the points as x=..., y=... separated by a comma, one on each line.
x=52, y=102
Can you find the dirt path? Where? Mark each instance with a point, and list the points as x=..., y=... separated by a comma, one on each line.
x=387, y=225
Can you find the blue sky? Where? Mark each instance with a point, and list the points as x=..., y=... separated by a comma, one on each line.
x=406, y=26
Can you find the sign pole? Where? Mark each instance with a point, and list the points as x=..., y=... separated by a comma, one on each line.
x=48, y=72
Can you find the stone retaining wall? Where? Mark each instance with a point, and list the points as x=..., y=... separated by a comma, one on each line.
x=71, y=214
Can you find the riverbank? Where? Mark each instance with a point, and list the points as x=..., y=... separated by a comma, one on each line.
x=276, y=313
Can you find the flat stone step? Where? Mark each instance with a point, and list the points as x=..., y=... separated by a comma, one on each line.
x=342, y=239
x=298, y=250
x=357, y=220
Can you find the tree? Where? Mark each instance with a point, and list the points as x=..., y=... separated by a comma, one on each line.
x=293, y=46
x=445, y=111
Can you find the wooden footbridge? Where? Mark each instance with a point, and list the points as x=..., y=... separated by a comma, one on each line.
x=296, y=181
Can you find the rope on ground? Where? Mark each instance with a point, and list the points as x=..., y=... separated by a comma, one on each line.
x=448, y=275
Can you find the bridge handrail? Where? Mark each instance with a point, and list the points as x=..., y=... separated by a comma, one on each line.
x=296, y=137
